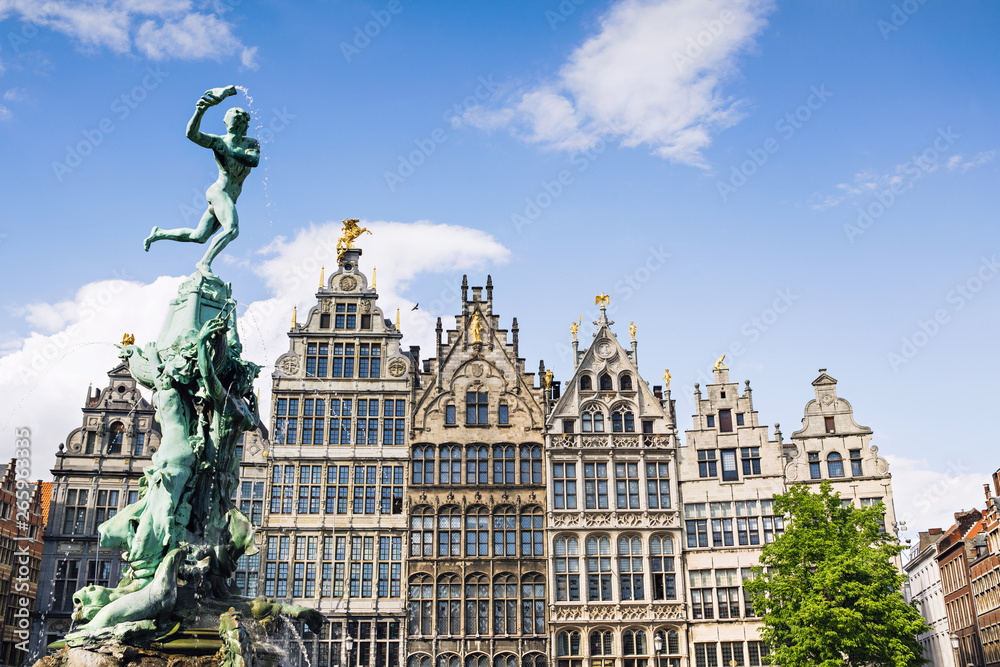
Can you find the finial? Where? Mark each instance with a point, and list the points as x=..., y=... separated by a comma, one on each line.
x=719, y=365
x=575, y=326
x=397, y=318
x=322, y=275
x=128, y=339
x=351, y=232
x=374, y=269
x=602, y=300
x=548, y=378
x=631, y=330
x=666, y=377
x=295, y=310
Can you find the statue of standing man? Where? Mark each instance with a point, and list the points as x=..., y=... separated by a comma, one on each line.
x=236, y=154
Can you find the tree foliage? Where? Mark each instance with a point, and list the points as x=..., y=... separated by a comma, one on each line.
x=829, y=592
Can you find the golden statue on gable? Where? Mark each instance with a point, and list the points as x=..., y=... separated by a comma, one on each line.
x=719, y=365
x=575, y=326
x=476, y=327
x=632, y=330
x=602, y=300
x=666, y=377
x=350, y=233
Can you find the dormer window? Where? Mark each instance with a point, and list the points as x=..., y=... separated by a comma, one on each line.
x=605, y=382
x=726, y=421
x=586, y=384
x=625, y=382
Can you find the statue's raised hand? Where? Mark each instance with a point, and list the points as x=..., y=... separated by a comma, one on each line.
x=215, y=96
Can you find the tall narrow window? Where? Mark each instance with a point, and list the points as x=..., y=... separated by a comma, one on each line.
x=476, y=405
x=477, y=464
x=729, y=470
x=751, y=460
x=702, y=594
x=140, y=444
x=593, y=420
x=421, y=605
x=564, y=486
x=830, y=425
x=449, y=414
x=814, y=471
x=567, y=561
x=75, y=515
x=505, y=532
x=658, y=485
x=115, y=438
x=477, y=532
x=606, y=382
x=533, y=605
x=725, y=421
x=450, y=532
x=599, y=569
x=423, y=464
x=451, y=464
x=449, y=604
x=505, y=605
x=568, y=649
x=596, y=485
x=422, y=532
x=625, y=382
x=503, y=464
x=622, y=420
x=531, y=465
x=835, y=464
x=856, y=469
x=634, y=646
x=707, y=463
x=661, y=568
x=586, y=384
x=532, y=535
x=477, y=606
x=503, y=414
x=107, y=506
x=630, y=570
x=627, y=485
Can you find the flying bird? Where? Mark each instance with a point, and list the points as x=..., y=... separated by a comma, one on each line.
x=416, y=306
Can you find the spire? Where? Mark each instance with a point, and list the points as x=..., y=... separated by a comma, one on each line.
x=489, y=288
x=322, y=274
x=294, y=313
x=397, y=319
x=374, y=269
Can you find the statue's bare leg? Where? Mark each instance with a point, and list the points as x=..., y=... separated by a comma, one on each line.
x=206, y=227
x=225, y=212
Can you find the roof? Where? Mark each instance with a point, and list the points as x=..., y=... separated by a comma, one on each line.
x=976, y=528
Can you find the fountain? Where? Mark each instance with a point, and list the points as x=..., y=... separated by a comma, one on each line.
x=182, y=539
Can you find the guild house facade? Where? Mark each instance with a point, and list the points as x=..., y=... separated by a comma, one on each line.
x=461, y=511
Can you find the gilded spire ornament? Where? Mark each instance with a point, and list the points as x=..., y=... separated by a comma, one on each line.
x=602, y=300
x=322, y=276
x=374, y=269
x=397, y=318
x=476, y=327
x=632, y=330
x=575, y=326
x=128, y=339
x=295, y=310
x=350, y=233
x=719, y=365
x=666, y=377
x=548, y=378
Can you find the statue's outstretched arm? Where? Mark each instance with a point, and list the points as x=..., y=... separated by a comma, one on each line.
x=194, y=132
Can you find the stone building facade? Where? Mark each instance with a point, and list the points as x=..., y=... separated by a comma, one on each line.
x=832, y=447
x=21, y=539
x=251, y=498
x=477, y=558
x=334, y=526
x=614, y=534
x=924, y=589
x=730, y=471
x=96, y=474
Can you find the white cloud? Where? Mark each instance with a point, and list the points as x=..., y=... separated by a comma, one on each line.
x=651, y=76
x=979, y=159
x=5, y=113
x=928, y=496
x=15, y=95
x=44, y=375
x=160, y=29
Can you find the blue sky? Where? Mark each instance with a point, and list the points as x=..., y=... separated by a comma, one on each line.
x=715, y=157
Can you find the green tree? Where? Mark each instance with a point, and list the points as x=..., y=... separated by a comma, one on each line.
x=829, y=592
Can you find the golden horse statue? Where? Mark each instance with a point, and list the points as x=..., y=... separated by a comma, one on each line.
x=350, y=234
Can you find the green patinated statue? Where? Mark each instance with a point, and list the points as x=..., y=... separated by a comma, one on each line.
x=182, y=539
x=236, y=154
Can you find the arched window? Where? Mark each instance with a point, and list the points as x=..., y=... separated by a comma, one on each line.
x=593, y=419
x=421, y=604
x=622, y=419
x=661, y=567
x=835, y=464
x=531, y=464
x=602, y=642
x=599, y=569
x=630, y=568
x=667, y=643
x=449, y=531
x=449, y=605
x=534, y=660
x=532, y=535
x=634, y=645
x=605, y=382
x=477, y=531
x=533, y=605
x=505, y=660
x=505, y=532
x=505, y=605
x=477, y=465
x=422, y=532
x=449, y=660
x=477, y=660
x=451, y=464
x=418, y=660
x=423, y=464
x=477, y=605
x=625, y=382
x=567, y=556
x=568, y=643
x=503, y=464
x=115, y=438
x=586, y=384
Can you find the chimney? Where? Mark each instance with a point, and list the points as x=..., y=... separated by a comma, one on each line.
x=996, y=482
x=658, y=391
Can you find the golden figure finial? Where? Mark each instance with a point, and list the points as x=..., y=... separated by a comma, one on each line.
x=295, y=310
x=602, y=300
x=128, y=339
x=374, y=269
x=719, y=365
x=397, y=318
x=666, y=377
x=575, y=326
x=631, y=330
x=476, y=327
x=351, y=232
x=548, y=378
